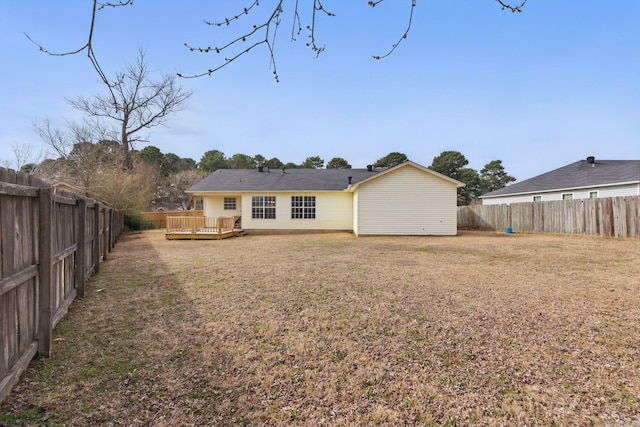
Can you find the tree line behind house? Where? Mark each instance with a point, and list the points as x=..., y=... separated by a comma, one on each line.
x=158, y=179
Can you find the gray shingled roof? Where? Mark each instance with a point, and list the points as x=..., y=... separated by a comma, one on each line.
x=236, y=180
x=580, y=174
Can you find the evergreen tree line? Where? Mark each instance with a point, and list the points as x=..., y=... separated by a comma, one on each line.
x=450, y=163
x=161, y=179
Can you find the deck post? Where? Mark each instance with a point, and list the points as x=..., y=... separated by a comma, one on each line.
x=193, y=219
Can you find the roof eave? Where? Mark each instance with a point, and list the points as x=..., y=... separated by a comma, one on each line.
x=523, y=193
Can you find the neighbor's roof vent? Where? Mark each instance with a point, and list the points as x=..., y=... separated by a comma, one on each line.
x=591, y=159
x=370, y=168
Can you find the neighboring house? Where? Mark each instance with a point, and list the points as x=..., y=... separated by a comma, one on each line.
x=408, y=199
x=583, y=179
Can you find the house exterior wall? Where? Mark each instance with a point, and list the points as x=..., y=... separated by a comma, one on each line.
x=581, y=193
x=213, y=206
x=356, y=212
x=334, y=211
x=407, y=201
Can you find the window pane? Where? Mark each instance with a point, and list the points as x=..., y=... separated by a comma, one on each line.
x=303, y=207
x=263, y=207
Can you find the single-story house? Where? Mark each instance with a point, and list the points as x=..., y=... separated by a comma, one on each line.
x=407, y=199
x=583, y=179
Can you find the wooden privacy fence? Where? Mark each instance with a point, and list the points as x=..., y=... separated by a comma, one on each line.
x=51, y=241
x=606, y=217
x=159, y=219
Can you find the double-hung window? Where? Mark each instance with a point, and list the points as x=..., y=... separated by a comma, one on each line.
x=303, y=207
x=263, y=207
x=230, y=203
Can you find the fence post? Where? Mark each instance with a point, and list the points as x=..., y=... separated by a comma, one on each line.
x=105, y=234
x=96, y=238
x=81, y=259
x=45, y=263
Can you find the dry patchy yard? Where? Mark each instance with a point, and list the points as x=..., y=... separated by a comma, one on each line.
x=329, y=329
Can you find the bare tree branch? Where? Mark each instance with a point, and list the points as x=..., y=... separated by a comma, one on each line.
x=317, y=7
x=406, y=32
x=264, y=33
x=88, y=46
x=265, y=28
x=512, y=8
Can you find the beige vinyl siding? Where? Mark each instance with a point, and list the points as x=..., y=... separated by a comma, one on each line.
x=334, y=211
x=214, y=206
x=407, y=201
x=356, y=212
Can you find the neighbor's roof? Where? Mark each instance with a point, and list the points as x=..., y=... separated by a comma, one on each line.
x=238, y=180
x=275, y=180
x=581, y=174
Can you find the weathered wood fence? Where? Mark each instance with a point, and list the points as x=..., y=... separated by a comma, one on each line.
x=51, y=241
x=606, y=217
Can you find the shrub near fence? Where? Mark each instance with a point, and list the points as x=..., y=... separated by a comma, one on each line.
x=606, y=217
x=51, y=241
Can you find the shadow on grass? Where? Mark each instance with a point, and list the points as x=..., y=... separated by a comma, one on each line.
x=129, y=353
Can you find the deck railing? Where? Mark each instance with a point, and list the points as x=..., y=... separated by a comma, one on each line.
x=200, y=225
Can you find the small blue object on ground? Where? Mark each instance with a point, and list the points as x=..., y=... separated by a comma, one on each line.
x=509, y=230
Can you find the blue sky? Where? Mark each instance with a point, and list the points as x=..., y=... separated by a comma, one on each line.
x=538, y=89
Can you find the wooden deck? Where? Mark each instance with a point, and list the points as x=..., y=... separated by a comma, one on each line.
x=201, y=228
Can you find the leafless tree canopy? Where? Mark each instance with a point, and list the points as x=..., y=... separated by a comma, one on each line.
x=259, y=33
x=23, y=155
x=135, y=102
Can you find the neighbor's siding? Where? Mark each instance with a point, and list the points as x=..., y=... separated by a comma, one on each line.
x=407, y=201
x=334, y=211
x=583, y=193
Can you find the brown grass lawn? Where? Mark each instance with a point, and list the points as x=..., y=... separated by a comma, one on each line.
x=330, y=329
